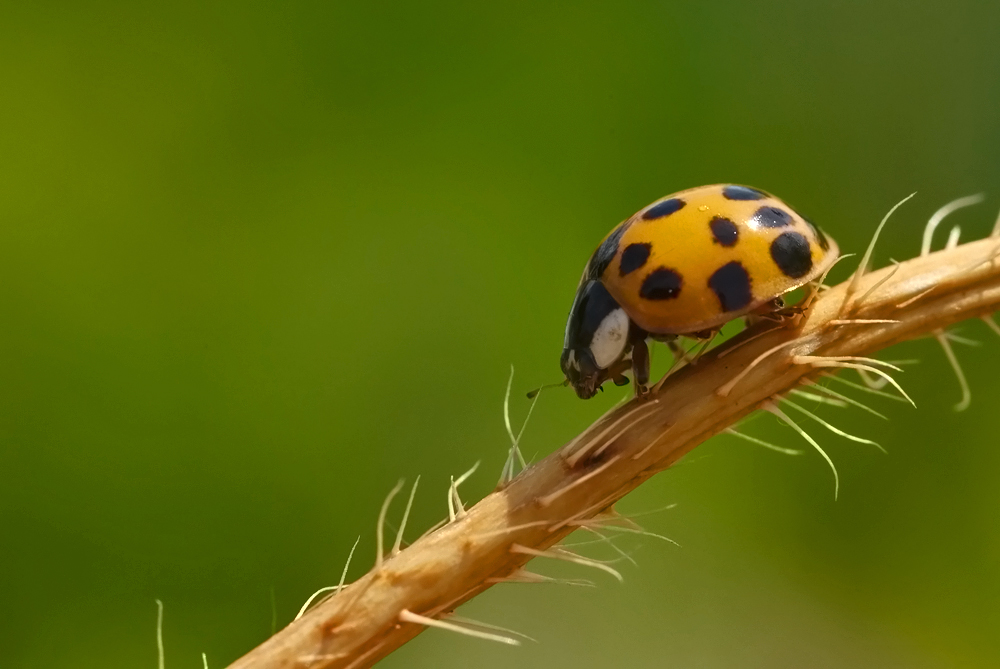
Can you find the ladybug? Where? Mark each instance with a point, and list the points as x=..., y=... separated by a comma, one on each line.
x=685, y=265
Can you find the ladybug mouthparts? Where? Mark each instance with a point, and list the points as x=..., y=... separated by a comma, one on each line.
x=582, y=372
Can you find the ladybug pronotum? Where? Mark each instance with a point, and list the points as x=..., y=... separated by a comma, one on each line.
x=685, y=265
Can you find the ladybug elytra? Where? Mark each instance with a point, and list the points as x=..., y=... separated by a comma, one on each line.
x=685, y=265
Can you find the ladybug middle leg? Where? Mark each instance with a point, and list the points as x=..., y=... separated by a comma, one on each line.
x=680, y=353
x=707, y=336
x=640, y=361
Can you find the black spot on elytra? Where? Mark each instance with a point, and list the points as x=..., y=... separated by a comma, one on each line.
x=605, y=253
x=731, y=284
x=633, y=257
x=724, y=231
x=661, y=284
x=742, y=193
x=771, y=217
x=665, y=208
x=791, y=254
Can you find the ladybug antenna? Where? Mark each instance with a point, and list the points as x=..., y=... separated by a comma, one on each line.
x=533, y=393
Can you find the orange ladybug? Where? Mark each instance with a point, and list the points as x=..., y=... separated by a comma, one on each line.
x=685, y=265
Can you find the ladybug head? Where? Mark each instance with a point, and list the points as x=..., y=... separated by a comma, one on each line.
x=596, y=339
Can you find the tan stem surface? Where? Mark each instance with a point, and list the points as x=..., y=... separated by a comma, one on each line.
x=449, y=566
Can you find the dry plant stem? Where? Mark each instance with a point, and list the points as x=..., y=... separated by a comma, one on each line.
x=449, y=566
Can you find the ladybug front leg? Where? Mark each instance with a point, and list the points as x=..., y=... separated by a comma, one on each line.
x=640, y=367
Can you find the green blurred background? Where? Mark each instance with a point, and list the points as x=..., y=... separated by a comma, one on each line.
x=260, y=260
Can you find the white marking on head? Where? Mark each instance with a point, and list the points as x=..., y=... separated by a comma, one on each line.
x=609, y=339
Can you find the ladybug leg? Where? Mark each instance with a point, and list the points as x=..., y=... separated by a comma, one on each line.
x=775, y=311
x=812, y=291
x=707, y=336
x=616, y=373
x=678, y=351
x=640, y=367
x=771, y=310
